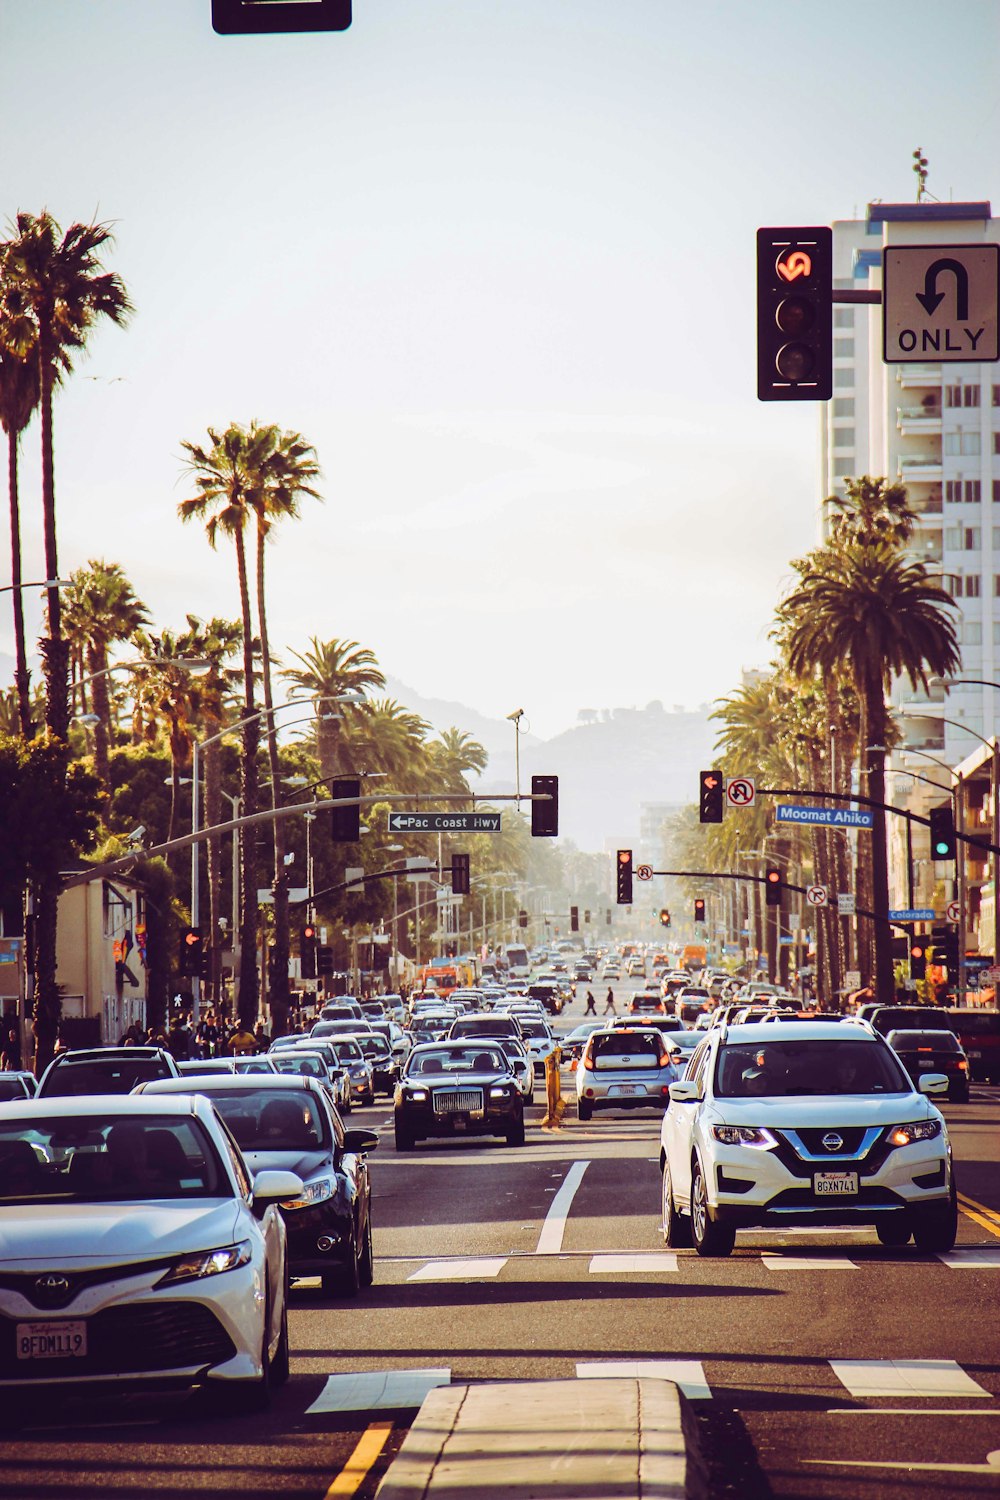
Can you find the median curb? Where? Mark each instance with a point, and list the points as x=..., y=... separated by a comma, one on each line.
x=603, y=1439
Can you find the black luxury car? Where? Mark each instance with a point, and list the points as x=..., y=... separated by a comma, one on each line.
x=458, y=1088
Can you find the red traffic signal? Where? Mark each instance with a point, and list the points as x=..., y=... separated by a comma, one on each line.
x=795, y=314
x=918, y=959
x=772, y=886
x=699, y=909
x=711, y=796
x=624, y=869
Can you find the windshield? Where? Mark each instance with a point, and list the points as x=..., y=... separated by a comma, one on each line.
x=269, y=1120
x=471, y=1059
x=89, y=1159
x=92, y=1075
x=310, y=1067
x=775, y=1069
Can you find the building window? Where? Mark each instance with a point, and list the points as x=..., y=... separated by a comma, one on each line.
x=996, y=491
x=843, y=348
x=996, y=632
x=973, y=491
x=953, y=538
x=970, y=395
x=996, y=538
x=962, y=538
x=996, y=585
x=996, y=395
x=996, y=442
x=971, y=581
x=953, y=395
x=843, y=377
x=843, y=437
x=972, y=633
x=953, y=491
x=843, y=467
x=843, y=317
x=965, y=443
x=843, y=406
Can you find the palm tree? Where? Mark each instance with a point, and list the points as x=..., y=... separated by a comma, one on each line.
x=55, y=291
x=101, y=608
x=20, y=391
x=871, y=511
x=227, y=479
x=382, y=735
x=172, y=696
x=861, y=607
x=287, y=471
x=453, y=755
x=329, y=669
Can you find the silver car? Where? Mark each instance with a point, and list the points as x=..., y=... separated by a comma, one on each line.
x=624, y=1068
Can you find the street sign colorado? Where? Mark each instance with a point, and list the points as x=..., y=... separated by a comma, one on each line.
x=436, y=822
x=826, y=817
x=940, y=303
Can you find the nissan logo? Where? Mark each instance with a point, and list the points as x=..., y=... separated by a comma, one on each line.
x=833, y=1142
x=52, y=1284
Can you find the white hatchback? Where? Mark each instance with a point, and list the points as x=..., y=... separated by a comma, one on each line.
x=137, y=1250
x=810, y=1123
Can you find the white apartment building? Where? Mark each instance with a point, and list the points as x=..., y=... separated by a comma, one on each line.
x=935, y=428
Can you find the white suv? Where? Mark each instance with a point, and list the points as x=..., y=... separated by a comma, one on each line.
x=809, y=1123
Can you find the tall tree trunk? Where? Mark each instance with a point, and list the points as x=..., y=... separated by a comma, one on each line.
x=97, y=661
x=213, y=816
x=22, y=678
x=278, y=984
x=247, y=996
x=884, y=985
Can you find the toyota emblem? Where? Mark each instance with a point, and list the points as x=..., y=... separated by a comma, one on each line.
x=832, y=1141
x=53, y=1284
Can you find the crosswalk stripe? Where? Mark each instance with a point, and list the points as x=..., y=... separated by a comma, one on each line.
x=460, y=1270
x=905, y=1377
x=977, y=1259
x=377, y=1390
x=655, y=1260
x=808, y=1263
x=687, y=1374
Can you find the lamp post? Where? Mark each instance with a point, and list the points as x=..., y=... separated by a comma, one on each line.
x=515, y=719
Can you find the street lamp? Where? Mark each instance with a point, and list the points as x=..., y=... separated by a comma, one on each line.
x=394, y=849
x=515, y=719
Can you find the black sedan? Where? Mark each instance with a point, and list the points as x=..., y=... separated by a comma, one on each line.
x=458, y=1088
x=279, y=1120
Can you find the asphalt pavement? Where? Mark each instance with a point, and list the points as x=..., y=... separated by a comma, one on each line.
x=818, y=1364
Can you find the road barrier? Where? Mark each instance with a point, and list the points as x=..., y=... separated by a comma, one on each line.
x=555, y=1103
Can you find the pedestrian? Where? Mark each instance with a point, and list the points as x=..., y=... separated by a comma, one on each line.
x=262, y=1039
x=208, y=1035
x=10, y=1053
x=591, y=1009
x=609, y=1004
x=179, y=1040
x=241, y=1041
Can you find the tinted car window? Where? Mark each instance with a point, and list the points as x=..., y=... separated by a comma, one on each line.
x=12, y=1088
x=632, y=1049
x=88, y=1160
x=471, y=1059
x=897, y=1017
x=309, y=1067
x=273, y=1120
x=92, y=1076
x=937, y=1041
x=975, y=1023
x=779, y=1068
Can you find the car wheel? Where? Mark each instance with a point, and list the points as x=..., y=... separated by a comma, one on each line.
x=584, y=1109
x=280, y=1363
x=404, y=1138
x=515, y=1135
x=936, y=1228
x=346, y=1280
x=710, y=1239
x=676, y=1228
x=894, y=1230
x=366, y=1268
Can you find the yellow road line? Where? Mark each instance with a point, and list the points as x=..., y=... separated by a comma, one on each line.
x=357, y=1468
x=986, y=1218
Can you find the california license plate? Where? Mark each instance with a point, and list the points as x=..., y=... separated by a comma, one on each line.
x=835, y=1184
x=625, y=1088
x=52, y=1340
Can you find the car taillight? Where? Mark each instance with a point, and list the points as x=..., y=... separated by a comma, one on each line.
x=962, y=1063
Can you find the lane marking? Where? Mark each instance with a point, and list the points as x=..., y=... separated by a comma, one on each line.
x=808, y=1263
x=977, y=1259
x=377, y=1390
x=909, y=1411
x=985, y=1217
x=653, y=1260
x=906, y=1377
x=459, y=1270
x=357, y=1468
x=551, y=1238
x=991, y=1466
x=687, y=1374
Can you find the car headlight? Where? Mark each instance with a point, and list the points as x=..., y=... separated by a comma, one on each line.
x=207, y=1263
x=744, y=1135
x=503, y=1092
x=313, y=1192
x=913, y=1130
x=417, y=1095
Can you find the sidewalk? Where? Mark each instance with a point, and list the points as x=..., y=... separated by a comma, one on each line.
x=614, y=1439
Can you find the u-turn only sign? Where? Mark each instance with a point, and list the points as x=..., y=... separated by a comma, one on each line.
x=939, y=303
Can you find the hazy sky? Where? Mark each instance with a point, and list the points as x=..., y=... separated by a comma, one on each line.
x=496, y=261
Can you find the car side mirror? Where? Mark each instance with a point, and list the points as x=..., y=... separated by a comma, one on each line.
x=358, y=1141
x=933, y=1083
x=685, y=1091
x=274, y=1187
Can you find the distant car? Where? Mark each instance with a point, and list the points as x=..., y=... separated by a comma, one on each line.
x=17, y=1084
x=458, y=1088
x=104, y=1070
x=646, y=1003
x=930, y=1051
x=519, y=1058
x=623, y=1068
x=299, y=1063
x=139, y=1251
x=979, y=1033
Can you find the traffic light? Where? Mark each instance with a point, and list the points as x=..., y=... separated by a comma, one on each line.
x=346, y=823
x=624, y=877
x=192, y=953
x=699, y=909
x=237, y=18
x=795, y=314
x=307, y=952
x=664, y=917
x=324, y=959
x=710, y=804
x=918, y=958
x=460, y=874
x=945, y=945
x=772, y=886
x=545, y=815
x=522, y=919
x=574, y=919
x=942, y=832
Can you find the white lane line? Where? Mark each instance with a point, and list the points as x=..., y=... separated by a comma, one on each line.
x=905, y=1377
x=377, y=1390
x=909, y=1411
x=808, y=1263
x=649, y=1261
x=460, y=1270
x=687, y=1374
x=551, y=1238
x=982, y=1258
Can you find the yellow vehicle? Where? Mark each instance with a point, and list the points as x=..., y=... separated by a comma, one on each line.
x=694, y=956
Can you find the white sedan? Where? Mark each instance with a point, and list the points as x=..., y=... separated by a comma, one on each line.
x=136, y=1250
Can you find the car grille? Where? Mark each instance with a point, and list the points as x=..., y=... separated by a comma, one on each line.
x=851, y=1136
x=129, y=1340
x=49, y=1290
x=457, y=1101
